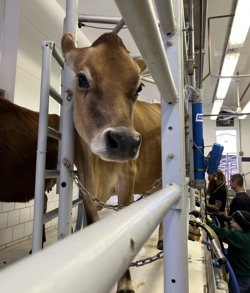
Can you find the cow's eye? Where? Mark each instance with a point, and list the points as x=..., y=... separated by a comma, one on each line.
x=139, y=88
x=82, y=81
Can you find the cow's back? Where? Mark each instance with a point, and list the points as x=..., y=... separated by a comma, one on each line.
x=18, y=145
x=147, y=121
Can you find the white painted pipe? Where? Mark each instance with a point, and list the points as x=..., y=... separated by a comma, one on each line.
x=192, y=199
x=140, y=18
x=42, y=146
x=93, y=259
x=55, y=95
x=119, y=26
x=166, y=16
x=98, y=19
x=67, y=130
x=150, y=80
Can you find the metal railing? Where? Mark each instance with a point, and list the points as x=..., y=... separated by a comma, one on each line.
x=74, y=263
x=117, y=247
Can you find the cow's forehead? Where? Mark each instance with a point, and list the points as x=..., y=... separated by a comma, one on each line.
x=104, y=55
x=112, y=62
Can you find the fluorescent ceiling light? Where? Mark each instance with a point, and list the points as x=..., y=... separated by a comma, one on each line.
x=216, y=109
x=228, y=68
x=245, y=110
x=240, y=25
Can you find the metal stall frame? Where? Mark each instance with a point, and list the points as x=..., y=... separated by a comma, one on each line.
x=140, y=18
x=168, y=74
x=48, y=49
x=66, y=147
x=67, y=142
x=76, y=263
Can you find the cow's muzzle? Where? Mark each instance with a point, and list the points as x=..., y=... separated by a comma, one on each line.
x=117, y=144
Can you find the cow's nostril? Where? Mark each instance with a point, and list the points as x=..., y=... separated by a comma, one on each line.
x=137, y=144
x=113, y=140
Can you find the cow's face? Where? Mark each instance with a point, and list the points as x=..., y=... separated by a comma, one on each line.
x=106, y=88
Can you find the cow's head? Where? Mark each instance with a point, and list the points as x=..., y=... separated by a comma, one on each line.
x=106, y=88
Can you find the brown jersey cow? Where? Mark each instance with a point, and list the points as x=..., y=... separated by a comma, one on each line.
x=18, y=145
x=118, y=139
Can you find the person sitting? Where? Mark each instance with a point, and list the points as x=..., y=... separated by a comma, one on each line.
x=241, y=201
x=218, y=192
x=238, y=240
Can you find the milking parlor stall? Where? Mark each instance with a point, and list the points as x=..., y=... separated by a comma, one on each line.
x=112, y=93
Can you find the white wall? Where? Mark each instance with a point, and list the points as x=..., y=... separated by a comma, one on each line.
x=16, y=219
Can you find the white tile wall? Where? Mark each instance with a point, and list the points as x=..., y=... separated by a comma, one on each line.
x=28, y=228
x=6, y=235
x=16, y=219
x=13, y=217
x=8, y=206
x=25, y=215
x=18, y=231
x=19, y=205
x=3, y=220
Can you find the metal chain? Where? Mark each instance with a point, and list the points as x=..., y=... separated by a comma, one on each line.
x=148, y=260
x=84, y=191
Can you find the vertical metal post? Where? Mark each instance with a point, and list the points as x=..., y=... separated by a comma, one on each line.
x=47, y=48
x=173, y=165
x=67, y=142
x=195, y=119
x=192, y=199
x=191, y=82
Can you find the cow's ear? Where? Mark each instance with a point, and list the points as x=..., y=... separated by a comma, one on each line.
x=70, y=52
x=68, y=47
x=142, y=65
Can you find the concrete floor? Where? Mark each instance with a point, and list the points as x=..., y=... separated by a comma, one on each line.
x=147, y=278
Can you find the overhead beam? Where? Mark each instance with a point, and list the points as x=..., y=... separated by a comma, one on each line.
x=140, y=18
x=166, y=16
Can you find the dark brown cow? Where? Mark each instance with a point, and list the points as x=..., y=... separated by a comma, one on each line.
x=118, y=144
x=18, y=145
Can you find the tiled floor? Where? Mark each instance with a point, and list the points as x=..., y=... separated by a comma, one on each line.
x=146, y=279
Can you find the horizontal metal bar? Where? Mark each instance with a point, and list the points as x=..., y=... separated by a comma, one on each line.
x=52, y=174
x=76, y=202
x=58, y=56
x=50, y=216
x=148, y=79
x=54, y=133
x=54, y=213
x=136, y=56
x=98, y=19
x=94, y=253
x=55, y=95
x=229, y=76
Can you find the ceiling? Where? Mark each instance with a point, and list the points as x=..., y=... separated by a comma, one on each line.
x=219, y=29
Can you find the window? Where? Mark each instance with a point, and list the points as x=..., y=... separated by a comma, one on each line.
x=229, y=159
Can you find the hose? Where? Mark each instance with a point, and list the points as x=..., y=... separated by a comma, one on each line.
x=212, y=235
x=217, y=221
x=232, y=275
